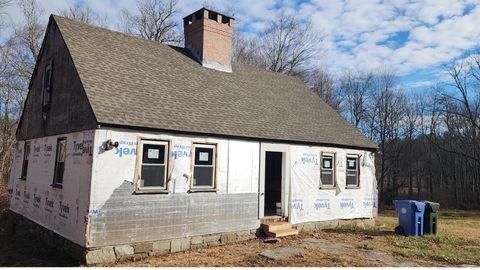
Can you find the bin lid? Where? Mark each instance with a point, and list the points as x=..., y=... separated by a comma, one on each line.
x=419, y=206
x=434, y=206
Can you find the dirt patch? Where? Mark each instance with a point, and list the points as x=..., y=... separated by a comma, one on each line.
x=246, y=254
x=281, y=253
x=457, y=243
x=365, y=252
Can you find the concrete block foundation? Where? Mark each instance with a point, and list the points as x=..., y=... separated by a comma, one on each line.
x=334, y=224
x=112, y=254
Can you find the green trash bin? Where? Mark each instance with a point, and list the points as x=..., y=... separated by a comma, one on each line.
x=431, y=217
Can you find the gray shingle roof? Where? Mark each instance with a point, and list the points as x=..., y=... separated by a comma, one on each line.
x=139, y=83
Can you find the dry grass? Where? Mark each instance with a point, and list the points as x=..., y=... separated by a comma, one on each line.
x=3, y=196
x=458, y=242
x=245, y=254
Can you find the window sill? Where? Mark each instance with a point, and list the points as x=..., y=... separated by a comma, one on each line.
x=352, y=187
x=199, y=190
x=152, y=191
x=328, y=188
x=57, y=186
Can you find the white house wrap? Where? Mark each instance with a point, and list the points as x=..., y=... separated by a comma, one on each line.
x=127, y=142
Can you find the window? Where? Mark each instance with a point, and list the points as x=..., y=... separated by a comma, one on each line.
x=47, y=88
x=212, y=15
x=60, y=162
x=204, y=166
x=153, y=171
x=353, y=171
x=327, y=170
x=26, y=156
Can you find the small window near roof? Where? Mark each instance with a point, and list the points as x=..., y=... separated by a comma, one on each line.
x=154, y=160
x=47, y=87
x=204, y=166
x=327, y=170
x=353, y=171
x=212, y=15
x=26, y=157
x=225, y=20
x=60, y=162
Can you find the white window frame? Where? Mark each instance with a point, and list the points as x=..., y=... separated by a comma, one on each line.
x=334, y=174
x=357, y=170
x=25, y=160
x=166, y=164
x=214, y=166
x=57, y=156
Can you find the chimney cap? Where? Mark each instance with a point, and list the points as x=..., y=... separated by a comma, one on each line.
x=204, y=8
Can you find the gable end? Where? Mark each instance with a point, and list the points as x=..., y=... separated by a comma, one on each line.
x=69, y=109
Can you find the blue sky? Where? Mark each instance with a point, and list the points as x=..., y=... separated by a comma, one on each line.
x=413, y=38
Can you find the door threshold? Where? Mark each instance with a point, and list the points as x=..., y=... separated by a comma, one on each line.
x=273, y=218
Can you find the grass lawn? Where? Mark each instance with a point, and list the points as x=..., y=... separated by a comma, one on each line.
x=457, y=243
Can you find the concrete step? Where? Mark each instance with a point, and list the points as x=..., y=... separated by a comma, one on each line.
x=276, y=226
x=282, y=233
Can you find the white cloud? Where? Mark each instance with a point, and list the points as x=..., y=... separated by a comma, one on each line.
x=439, y=31
x=358, y=34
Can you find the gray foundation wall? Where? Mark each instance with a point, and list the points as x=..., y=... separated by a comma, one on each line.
x=128, y=218
x=114, y=253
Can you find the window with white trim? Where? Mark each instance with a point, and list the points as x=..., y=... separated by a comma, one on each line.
x=327, y=170
x=60, y=157
x=204, y=166
x=26, y=157
x=353, y=171
x=154, y=165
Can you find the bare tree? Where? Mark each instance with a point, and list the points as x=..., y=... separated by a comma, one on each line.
x=323, y=83
x=18, y=55
x=245, y=50
x=289, y=45
x=83, y=14
x=30, y=33
x=3, y=5
x=153, y=21
x=355, y=86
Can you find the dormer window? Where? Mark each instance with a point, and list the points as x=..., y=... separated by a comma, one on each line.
x=47, y=87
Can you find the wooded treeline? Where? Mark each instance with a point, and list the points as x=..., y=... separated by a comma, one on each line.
x=429, y=146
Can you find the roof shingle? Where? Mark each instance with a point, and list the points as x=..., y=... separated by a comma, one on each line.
x=134, y=82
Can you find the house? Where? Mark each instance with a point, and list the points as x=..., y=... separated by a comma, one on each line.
x=127, y=146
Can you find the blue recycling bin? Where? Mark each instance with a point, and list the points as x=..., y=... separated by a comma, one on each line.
x=410, y=217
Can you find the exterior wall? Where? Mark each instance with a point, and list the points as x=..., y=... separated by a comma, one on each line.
x=62, y=210
x=311, y=203
x=70, y=110
x=119, y=215
x=302, y=198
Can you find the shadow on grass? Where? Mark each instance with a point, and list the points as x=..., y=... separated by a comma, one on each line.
x=374, y=231
x=20, y=248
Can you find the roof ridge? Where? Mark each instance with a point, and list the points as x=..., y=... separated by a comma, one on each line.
x=250, y=102
x=112, y=31
x=172, y=45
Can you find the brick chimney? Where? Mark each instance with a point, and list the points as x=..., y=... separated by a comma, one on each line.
x=208, y=35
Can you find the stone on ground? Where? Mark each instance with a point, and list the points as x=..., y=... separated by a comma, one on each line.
x=281, y=253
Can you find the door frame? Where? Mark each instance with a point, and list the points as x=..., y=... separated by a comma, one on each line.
x=285, y=196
